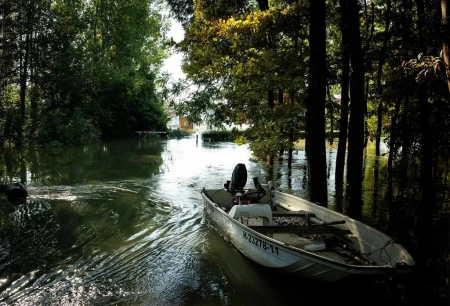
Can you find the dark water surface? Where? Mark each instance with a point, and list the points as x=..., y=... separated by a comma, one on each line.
x=122, y=224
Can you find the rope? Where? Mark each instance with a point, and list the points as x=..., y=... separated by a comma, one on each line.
x=383, y=248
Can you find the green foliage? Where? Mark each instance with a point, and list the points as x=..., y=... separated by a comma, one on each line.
x=178, y=133
x=91, y=67
x=223, y=135
x=234, y=67
x=240, y=140
x=183, y=10
x=64, y=129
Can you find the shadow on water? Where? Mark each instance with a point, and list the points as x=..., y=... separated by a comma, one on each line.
x=122, y=223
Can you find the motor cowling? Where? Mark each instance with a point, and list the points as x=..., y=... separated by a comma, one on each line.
x=238, y=179
x=14, y=191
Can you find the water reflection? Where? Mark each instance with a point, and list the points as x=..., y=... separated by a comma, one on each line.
x=121, y=223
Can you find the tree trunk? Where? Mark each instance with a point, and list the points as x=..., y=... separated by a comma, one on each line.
x=271, y=98
x=427, y=181
x=291, y=149
x=357, y=112
x=375, y=187
x=33, y=81
x=280, y=102
x=445, y=8
x=372, y=27
x=263, y=5
x=392, y=152
x=24, y=77
x=379, y=126
x=406, y=138
x=381, y=61
x=343, y=121
x=331, y=115
x=23, y=169
x=316, y=103
x=366, y=128
x=24, y=71
x=306, y=133
x=291, y=139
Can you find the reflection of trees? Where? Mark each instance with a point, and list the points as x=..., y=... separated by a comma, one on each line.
x=73, y=165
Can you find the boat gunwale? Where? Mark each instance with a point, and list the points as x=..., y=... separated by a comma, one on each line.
x=326, y=210
x=310, y=256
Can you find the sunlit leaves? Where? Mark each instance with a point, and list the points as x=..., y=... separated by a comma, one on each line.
x=244, y=53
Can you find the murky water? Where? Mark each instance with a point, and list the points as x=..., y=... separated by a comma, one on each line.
x=122, y=224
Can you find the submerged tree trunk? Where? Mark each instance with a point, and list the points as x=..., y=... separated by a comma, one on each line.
x=306, y=133
x=392, y=151
x=271, y=98
x=406, y=138
x=357, y=113
x=280, y=102
x=381, y=60
x=345, y=80
x=445, y=9
x=316, y=103
x=379, y=128
x=291, y=139
x=331, y=115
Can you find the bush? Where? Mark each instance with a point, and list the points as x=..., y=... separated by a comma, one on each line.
x=62, y=129
x=177, y=133
x=223, y=135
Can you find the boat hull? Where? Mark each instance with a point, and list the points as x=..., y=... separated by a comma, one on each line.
x=281, y=257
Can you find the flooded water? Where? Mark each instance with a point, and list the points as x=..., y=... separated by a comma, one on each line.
x=122, y=224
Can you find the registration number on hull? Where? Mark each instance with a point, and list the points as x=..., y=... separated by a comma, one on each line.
x=260, y=243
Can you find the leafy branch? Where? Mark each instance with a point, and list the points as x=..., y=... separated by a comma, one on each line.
x=429, y=67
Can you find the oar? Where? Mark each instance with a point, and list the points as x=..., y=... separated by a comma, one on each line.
x=329, y=223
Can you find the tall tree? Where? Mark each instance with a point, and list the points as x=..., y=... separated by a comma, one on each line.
x=183, y=10
x=381, y=61
x=345, y=82
x=357, y=113
x=426, y=161
x=26, y=34
x=316, y=103
x=244, y=58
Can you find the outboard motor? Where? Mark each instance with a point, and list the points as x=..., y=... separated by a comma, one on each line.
x=238, y=179
x=14, y=191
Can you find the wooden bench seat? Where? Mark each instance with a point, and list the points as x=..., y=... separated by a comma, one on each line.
x=312, y=229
